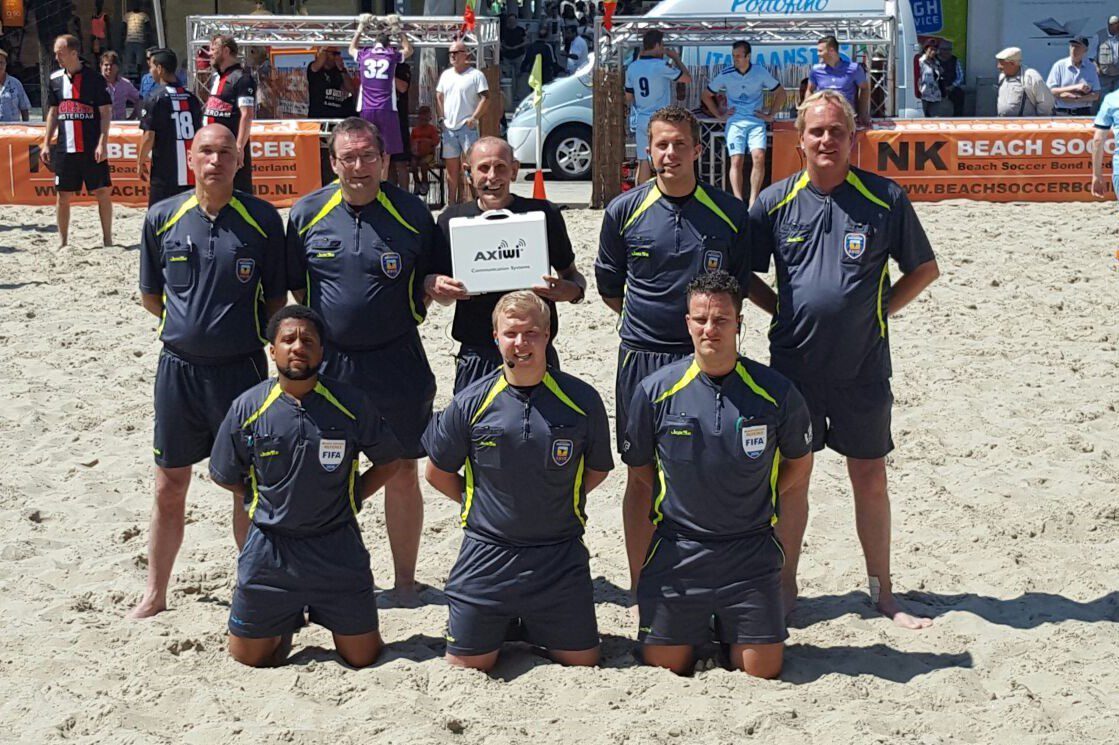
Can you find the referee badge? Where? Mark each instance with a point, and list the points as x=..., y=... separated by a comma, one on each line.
x=331, y=453
x=713, y=261
x=390, y=264
x=753, y=441
x=854, y=244
x=245, y=269
x=561, y=451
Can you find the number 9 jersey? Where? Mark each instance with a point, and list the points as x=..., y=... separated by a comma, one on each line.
x=174, y=114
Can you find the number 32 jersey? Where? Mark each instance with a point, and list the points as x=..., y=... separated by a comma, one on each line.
x=377, y=66
x=174, y=114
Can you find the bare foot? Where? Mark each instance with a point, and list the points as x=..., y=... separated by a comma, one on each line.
x=889, y=607
x=147, y=607
x=407, y=594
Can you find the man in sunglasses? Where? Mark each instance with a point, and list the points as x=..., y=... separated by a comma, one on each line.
x=460, y=99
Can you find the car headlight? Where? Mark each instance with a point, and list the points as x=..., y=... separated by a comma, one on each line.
x=523, y=106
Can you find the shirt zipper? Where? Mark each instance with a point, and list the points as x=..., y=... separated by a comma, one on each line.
x=718, y=412
x=525, y=430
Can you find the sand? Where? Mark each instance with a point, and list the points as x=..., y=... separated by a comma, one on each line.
x=1006, y=514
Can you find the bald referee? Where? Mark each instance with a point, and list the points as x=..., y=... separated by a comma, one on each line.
x=831, y=231
x=212, y=271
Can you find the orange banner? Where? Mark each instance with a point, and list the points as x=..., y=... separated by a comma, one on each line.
x=986, y=160
x=285, y=164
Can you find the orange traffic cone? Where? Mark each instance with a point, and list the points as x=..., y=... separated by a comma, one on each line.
x=538, y=185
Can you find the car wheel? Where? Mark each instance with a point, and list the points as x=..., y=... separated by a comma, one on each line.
x=567, y=152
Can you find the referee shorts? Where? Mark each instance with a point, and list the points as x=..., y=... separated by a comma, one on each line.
x=634, y=366
x=191, y=401
x=546, y=590
x=684, y=583
x=72, y=171
x=280, y=577
x=853, y=419
x=476, y=361
x=399, y=381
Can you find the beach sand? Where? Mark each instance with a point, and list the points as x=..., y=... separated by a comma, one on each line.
x=1005, y=487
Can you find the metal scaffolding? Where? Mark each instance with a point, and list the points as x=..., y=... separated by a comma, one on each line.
x=872, y=37
x=298, y=32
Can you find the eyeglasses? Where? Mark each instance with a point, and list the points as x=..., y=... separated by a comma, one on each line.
x=349, y=161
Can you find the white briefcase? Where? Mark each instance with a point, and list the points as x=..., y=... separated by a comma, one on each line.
x=498, y=251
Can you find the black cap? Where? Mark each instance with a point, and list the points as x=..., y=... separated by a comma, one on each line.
x=1081, y=40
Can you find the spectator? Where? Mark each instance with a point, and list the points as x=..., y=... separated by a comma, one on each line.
x=425, y=140
x=548, y=66
x=951, y=77
x=928, y=84
x=513, y=44
x=1107, y=57
x=328, y=85
x=136, y=24
x=575, y=49
x=147, y=82
x=1074, y=81
x=14, y=104
x=460, y=99
x=845, y=76
x=120, y=88
x=1021, y=90
x=99, y=29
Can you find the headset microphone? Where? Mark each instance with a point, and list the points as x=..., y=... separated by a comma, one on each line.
x=510, y=364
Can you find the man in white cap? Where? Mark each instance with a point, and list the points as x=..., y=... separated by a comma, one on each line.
x=1107, y=57
x=1074, y=81
x=1022, y=91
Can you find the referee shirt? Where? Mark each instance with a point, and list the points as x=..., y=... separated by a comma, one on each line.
x=362, y=268
x=214, y=275
x=525, y=451
x=473, y=322
x=717, y=446
x=651, y=246
x=300, y=458
x=833, y=277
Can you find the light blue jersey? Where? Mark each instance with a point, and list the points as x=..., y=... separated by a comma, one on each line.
x=649, y=80
x=1108, y=118
x=744, y=91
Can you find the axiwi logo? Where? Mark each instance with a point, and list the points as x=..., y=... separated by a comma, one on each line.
x=502, y=252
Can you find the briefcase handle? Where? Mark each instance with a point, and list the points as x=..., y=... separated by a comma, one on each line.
x=496, y=214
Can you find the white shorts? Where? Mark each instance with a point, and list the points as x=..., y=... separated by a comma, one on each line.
x=744, y=135
x=640, y=124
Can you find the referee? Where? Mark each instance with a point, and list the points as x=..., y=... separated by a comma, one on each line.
x=169, y=118
x=533, y=442
x=718, y=437
x=831, y=231
x=212, y=271
x=295, y=442
x=79, y=110
x=655, y=239
x=358, y=251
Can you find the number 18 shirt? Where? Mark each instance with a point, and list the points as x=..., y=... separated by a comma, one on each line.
x=173, y=113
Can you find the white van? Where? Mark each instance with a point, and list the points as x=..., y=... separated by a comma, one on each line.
x=568, y=117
